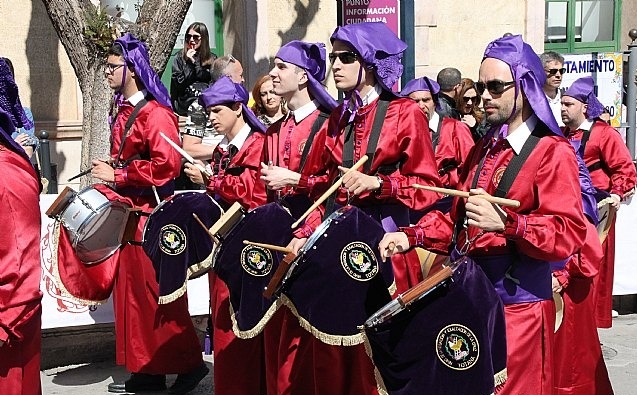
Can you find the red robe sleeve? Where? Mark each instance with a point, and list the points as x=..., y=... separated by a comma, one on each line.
x=454, y=144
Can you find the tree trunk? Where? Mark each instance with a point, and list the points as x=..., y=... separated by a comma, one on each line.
x=158, y=24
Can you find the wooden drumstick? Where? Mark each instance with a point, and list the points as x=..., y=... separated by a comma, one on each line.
x=268, y=246
x=453, y=192
x=212, y=236
x=331, y=190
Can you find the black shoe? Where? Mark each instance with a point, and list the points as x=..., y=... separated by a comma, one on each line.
x=139, y=382
x=188, y=381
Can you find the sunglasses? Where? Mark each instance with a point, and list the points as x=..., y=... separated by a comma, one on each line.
x=495, y=87
x=346, y=57
x=474, y=99
x=194, y=37
x=555, y=71
x=110, y=67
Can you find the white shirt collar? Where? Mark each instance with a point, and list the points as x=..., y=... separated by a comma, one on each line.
x=238, y=140
x=586, y=125
x=434, y=121
x=370, y=96
x=518, y=137
x=137, y=97
x=557, y=100
x=304, y=111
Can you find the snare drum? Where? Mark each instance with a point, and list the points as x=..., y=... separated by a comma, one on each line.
x=247, y=269
x=178, y=246
x=338, y=278
x=606, y=214
x=96, y=224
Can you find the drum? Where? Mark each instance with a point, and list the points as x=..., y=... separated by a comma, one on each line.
x=96, y=225
x=246, y=269
x=180, y=247
x=338, y=278
x=606, y=213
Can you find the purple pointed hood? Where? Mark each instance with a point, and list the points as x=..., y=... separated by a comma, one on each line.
x=224, y=91
x=136, y=56
x=528, y=74
x=583, y=89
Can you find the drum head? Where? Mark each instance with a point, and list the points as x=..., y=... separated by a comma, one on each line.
x=101, y=236
x=606, y=214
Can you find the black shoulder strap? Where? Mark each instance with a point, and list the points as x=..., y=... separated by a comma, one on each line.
x=435, y=137
x=127, y=126
x=586, y=134
x=316, y=126
x=515, y=165
x=348, y=146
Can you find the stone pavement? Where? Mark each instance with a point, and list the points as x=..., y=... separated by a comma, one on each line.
x=619, y=345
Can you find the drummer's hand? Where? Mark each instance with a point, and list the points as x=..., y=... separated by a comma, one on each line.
x=102, y=171
x=296, y=244
x=557, y=287
x=276, y=177
x=356, y=182
x=482, y=214
x=617, y=201
x=393, y=243
x=194, y=174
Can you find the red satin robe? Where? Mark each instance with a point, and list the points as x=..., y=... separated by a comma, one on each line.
x=149, y=337
x=548, y=225
x=454, y=143
x=404, y=138
x=20, y=295
x=617, y=175
x=239, y=367
x=579, y=366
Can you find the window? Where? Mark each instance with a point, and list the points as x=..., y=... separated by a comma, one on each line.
x=577, y=26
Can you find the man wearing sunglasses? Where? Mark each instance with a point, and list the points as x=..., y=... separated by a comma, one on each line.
x=524, y=157
x=554, y=68
x=393, y=132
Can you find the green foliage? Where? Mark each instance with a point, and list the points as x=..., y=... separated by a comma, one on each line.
x=99, y=29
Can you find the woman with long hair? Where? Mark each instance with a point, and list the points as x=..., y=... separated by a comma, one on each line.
x=268, y=106
x=192, y=65
x=468, y=104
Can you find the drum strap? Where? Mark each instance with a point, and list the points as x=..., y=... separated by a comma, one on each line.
x=586, y=134
x=435, y=136
x=127, y=126
x=316, y=126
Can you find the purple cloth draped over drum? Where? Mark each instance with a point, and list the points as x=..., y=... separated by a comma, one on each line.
x=341, y=280
x=174, y=240
x=450, y=342
x=247, y=269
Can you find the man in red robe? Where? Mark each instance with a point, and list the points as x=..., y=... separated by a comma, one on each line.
x=612, y=170
x=393, y=133
x=20, y=295
x=523, y=158
x=152, y=340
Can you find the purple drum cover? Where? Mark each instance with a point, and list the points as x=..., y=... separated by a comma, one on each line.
x=174, y=240
x=450, y=342
x=247, y=269
x=340, y=281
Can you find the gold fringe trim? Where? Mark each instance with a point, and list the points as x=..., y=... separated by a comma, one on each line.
x=501, y=377
x=258, y=328
x=334, y=340
x=197, y=269
x=56, y=272
x=380, y=384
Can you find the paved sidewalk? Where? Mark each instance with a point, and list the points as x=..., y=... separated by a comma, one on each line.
x=619, y=347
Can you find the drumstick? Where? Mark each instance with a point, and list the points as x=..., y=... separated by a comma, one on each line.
x=81, y=174
x=331, y=190
x=453, y=192
x=186, y=155
x=268, y=246
x=212, y=236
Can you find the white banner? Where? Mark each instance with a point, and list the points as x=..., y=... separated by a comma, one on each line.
x=60, y=311
x=626, y=250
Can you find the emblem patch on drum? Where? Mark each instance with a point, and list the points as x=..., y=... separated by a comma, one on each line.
x=358, y=261
x=172, y=240
x=457, y=347
x=256, y=261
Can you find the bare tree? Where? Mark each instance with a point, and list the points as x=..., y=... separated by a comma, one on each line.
x=86, y=32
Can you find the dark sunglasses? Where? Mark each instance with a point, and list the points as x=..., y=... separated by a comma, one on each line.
x=495, y=87
x=555, y=71
x=195, y=37
x=474, y=99
x=346, y=57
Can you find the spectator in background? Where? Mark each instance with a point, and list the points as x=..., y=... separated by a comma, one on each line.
x=24, y=136
x=553, y=64
x=468, y=104
x=230, y=66
x=268, y=106
x=449, y=80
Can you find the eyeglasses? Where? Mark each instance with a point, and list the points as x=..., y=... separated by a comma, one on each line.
x=495, y=87
x=474, y=99
x=551, y=72
x=111, y=67
x=194, y=37
x=346, y=57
